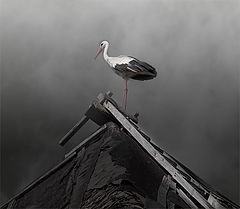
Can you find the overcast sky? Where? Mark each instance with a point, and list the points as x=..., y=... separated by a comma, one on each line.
x=49, y=77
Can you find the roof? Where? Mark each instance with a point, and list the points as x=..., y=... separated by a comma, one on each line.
x=117, y=166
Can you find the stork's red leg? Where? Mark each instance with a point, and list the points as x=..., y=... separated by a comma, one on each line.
x=126, y=91
x=123, y=94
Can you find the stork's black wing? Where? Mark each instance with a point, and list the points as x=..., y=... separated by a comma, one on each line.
x=136, y=69
x=143, y=70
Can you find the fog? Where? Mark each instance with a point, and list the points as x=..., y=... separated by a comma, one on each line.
x=49, y=77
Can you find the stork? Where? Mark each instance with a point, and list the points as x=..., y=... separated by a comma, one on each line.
x=128, y=68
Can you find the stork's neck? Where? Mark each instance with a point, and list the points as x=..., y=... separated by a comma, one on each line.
x=105, y=55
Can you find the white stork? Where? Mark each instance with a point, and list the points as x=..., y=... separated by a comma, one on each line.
x=127, y=67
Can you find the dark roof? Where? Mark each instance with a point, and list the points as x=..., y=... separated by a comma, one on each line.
x=117, y=167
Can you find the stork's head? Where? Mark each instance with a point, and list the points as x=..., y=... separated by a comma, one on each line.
x=102, y=46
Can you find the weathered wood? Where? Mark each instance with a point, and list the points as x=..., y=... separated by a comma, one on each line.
x=107, y=97
x=73, y=131
x=186, y=198
x=156, y=155
x=162, y=191
x=98, y=114
x=214, y=202
x=86, y=141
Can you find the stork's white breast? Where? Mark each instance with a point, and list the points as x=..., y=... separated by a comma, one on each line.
x=113, y=61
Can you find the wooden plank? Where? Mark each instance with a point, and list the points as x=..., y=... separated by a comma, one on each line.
x=186, y=198
x=184, y=172
x=73, y=131
x=156, y=155
x=162, y=191
x=86, y=141
x=214, y=202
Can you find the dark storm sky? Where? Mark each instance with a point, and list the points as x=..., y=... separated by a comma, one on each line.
x=49, y=77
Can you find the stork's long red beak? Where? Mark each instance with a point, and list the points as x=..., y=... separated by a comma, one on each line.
x=98, y=53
